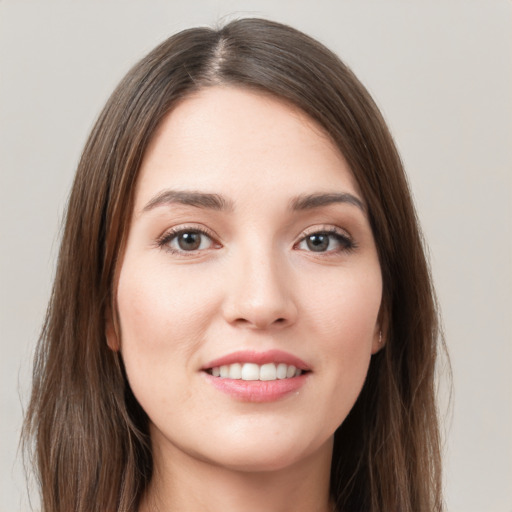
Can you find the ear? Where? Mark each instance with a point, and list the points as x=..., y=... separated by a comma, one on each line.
x=111, y=330
x=378, y=340
x=381, y=329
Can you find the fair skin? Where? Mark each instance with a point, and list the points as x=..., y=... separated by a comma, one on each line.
x=249, y=246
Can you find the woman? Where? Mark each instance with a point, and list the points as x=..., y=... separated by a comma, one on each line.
x=242, y=316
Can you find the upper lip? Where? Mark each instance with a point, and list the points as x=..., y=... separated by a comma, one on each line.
x=260, y=358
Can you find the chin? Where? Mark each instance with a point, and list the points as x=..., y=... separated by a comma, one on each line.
x=268, y=455
x=256, y=462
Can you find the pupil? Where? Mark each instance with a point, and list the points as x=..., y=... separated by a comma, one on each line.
x=189, y=241
x=318, y=243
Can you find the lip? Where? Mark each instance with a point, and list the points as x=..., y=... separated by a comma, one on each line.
x=252, y=356
x=257, y=390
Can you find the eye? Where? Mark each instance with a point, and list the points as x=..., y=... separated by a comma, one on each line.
x=186, y=240
x=326, y=241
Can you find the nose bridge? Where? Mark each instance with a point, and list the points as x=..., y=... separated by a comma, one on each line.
x=260, y=293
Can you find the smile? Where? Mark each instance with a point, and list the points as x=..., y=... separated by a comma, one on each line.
x=254, y=376
x=253, y=371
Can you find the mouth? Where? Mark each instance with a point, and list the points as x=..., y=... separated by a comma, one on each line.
x=252, y=371
x=250, y=376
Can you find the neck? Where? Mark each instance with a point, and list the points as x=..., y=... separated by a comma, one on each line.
x=187, y=484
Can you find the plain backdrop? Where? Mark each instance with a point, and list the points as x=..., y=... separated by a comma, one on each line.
x=441, y=71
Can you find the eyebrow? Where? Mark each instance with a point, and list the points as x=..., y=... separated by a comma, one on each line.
x=218, y=202
x=190, y=198
x=310, y=201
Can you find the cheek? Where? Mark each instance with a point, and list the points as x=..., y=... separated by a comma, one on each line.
x=163, y=318
x=160, y=309
x=346, y=307
x=344, y=321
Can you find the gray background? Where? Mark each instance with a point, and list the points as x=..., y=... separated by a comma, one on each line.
x=442, y=73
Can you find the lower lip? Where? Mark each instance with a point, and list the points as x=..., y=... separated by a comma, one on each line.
x=258, y=390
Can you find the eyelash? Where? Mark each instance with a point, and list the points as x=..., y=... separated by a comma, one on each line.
x=347, y=244
x=164, y=241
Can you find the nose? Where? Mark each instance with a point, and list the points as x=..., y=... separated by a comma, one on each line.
x=260, y=294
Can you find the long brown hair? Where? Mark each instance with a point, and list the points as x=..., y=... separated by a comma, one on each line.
x=88, y=433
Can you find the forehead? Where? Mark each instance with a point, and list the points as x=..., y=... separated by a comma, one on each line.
x=224, y=139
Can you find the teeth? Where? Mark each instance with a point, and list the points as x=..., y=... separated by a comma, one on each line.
x=251, y=371
x=235, y=371
x=268, y=372
x=282, y=370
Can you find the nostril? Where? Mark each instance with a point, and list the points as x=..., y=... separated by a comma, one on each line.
x=260, y=323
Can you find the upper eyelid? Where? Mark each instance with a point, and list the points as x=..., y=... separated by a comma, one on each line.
x=330, y=229
x=183, y=228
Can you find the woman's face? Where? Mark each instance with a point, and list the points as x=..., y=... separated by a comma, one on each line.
x=249, y=255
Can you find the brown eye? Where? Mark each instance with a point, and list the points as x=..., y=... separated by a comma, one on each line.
x=189, y=241
x=186, y=240
x=318, y=242
x=326, y=241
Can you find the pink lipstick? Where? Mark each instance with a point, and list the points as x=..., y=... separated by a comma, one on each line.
x=257, y=376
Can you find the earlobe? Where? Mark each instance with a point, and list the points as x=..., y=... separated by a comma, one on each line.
x=378, y=340
x=111, y=331
x=381, y=328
